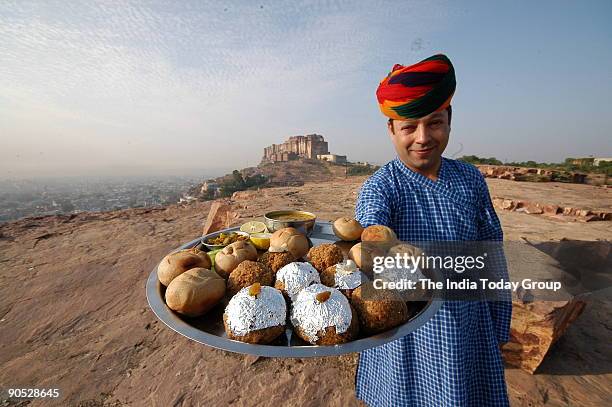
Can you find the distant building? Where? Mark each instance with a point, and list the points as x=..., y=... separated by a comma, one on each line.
x=583, y=161
x=209, y=186
x=308, y=146
x=597, y=161
x=332, y=158
x=311, y=146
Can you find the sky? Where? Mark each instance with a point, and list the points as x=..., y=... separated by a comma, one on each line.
x=161, y=87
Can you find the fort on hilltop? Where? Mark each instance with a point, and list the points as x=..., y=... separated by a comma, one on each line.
x=311, y=146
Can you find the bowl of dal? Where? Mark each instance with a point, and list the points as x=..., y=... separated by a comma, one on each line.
x=300, y=220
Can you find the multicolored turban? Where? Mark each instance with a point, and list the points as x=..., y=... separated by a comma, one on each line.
x=411, y=92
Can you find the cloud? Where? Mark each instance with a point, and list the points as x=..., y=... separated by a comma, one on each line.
x=226, y=78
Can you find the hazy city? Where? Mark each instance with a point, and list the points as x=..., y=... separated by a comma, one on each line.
x=36, y=197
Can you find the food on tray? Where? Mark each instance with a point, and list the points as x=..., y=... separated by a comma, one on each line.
x=324, y=256
x=276, y=260
x=378, y=233
x=179, y=262
x=345, y=247
x=261, y=240
x=405, y=248
x=347, y=229
x=212, y=255
x=411, y=272
x=293, y=277
x=323, y=316
x=363, y=255
x=256, y=314
x=254, y=227
x=289, y=240
x=293, y=217
x=195, y=292
x=232, y=255
x=247, y=273
x=344, y=276
x=378, y=310
x=223, y=239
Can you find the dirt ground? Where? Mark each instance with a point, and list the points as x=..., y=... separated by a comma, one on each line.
x=74, y=316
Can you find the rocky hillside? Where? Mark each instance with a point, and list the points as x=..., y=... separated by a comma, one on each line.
x=74, y=316
x=289, y=173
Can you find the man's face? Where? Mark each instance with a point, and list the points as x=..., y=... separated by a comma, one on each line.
x=420, y=142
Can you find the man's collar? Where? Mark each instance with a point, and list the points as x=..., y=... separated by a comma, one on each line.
x=415, y=176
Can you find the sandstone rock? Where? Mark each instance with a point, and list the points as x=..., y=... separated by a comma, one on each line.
x=533, y=208
x=220, y=216
x=497, y=202
x=509, y=204
x=535, y=328
x=243, y=195
x=551, y=209
x=583, y=213
x=566, y=211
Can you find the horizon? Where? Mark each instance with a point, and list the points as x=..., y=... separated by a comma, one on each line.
x=162, y=89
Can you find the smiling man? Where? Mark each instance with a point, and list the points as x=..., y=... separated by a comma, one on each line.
x=454, y=359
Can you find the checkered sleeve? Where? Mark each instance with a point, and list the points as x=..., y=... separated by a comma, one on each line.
x=373, y=204
x=489, y=229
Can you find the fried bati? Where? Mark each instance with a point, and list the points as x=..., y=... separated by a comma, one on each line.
x=324, y=256
x=247, y=273
x=256, y=314
x=175, y=264
x=323, y=316
x=232, y=255
x=347, y=229
x=289, y=240
x=195, y=292
x=294, y=277
x=378, y=233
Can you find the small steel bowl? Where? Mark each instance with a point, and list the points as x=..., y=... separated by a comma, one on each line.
x=211, y=247
x=305, y=226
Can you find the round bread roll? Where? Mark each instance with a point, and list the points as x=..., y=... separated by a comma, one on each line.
x=363, y=255
x=179, y=262
x=195, y=292
x=378, y=233
x=289, y=240
x=249, y=272
x=378, y=310
x=347, y=229
x=232, y=255
x=405, y=248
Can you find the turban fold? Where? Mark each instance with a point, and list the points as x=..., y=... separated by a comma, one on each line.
x=411, y=92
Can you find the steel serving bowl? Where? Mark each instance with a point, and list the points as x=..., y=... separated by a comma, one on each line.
x=208, y=329
x=273, y=223
x=216, y=234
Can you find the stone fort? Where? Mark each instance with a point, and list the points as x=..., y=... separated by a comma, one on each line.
x=311, y=146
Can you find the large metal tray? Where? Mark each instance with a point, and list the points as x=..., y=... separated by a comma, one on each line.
x=208, y=329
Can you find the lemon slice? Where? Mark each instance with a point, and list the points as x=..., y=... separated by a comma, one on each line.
x=254, y=227
x=261, y=240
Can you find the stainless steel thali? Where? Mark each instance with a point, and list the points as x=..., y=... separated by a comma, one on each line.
x=208, y=329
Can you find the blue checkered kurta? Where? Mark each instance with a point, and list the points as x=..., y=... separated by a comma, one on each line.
x=454, y=359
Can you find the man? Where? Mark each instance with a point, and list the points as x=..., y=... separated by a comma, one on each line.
x=455, y=358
